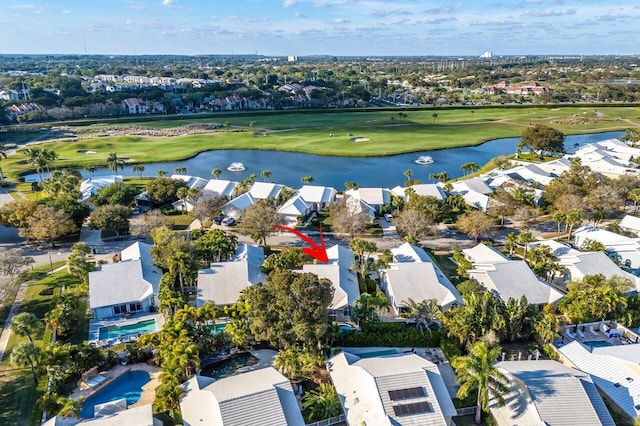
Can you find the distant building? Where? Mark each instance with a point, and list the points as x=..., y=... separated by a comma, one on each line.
x=292, y=58
x=503, y=87
x=487, y=54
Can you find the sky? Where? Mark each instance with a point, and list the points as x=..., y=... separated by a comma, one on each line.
x=321, y=27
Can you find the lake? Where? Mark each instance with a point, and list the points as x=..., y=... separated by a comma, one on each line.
x=288, y=167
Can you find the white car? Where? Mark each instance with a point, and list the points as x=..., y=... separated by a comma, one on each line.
x=388, y=217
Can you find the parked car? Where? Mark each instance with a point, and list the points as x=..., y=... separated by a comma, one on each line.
x=388, y=217
x=228, y=221
x=218, y=219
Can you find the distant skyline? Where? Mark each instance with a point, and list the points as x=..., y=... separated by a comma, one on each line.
x=320, y=27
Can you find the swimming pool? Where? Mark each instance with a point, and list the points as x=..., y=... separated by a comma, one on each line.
x=377, y=353
x=128, y=386
x=229, y=366
x=597, y=343
x=114, y=331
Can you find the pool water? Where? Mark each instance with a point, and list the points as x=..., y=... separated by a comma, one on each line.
x=229, y=366
x=114, y=331
x=128, y=386
x=378, y=353
x=597, y=344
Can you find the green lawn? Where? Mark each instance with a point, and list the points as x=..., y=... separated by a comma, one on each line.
x=309, y=132
x=17, y=390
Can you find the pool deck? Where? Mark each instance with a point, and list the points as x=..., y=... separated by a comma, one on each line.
x=591, y=333
x=95, y=325
x=148, y=390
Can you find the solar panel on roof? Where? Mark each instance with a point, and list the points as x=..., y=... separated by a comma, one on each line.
x=408, y=393
x=411, y=409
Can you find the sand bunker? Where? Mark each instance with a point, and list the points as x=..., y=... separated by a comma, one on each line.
x=359, y=139
x=85, y=151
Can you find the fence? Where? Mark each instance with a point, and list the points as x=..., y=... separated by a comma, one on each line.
x=329, y=422
x=465, y=411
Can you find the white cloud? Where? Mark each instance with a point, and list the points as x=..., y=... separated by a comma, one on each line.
x=550, y=12
x=168, y=3
x=318, y=4
x=289, y=3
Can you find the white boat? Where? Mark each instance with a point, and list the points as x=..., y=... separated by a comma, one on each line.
x=423, y=159
x=236, y=167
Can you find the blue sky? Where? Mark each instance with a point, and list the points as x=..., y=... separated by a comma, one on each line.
x=309, y=27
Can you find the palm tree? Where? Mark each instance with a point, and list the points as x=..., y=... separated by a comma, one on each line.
x=179, y=264
x=26, y=355
x=161, y=173
x=25, y=324
x=574, y=217
x=70, y=407
x=423, y=313
x=307, y=180
x=226, y=125
x=194, y=194
x=138, y=168
x=321, y=403
x=525, y=238
x=49, y=156
x=434, y=115
x=114, y=163
x=442, y=176
x=182, y=194
x=408, y=174
x=559, y=217
x=91, y=169
x=510, y=242
x=3, y=153
x=36, y=159
x=180, y=170
x=253, y=126
x=216, y=173
x=265, y=174
x=477, y=372
x=469, y=167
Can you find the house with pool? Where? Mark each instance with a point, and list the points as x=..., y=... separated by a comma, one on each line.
x=123, y=295
x=413, y=275
x=222, y=282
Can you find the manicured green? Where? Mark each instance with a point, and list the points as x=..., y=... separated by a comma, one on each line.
x=309, y=132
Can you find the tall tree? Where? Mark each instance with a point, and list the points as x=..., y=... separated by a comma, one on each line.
x=258, y=221
x=408, y=174
x=3, y=154
x=477, y=372
x=48, y=224
x=306, y=180
x=321, y=403
x=111, y=218
x=542, y=138
x=423, y=313
x=25, y=324
x=346, y=219
x=413, y=224
x=114, y=163
x=265, y=174
x=138, y=168
x=216, y=173
x=26, y=355
x=475, y=223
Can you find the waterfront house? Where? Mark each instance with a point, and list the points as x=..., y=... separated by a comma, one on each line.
x=545, y=392
x=399, y=389
x=474, y=191
x=374, y=197
x=262, y=397
x=413, y=275
x=220, y=187
x=222, y=282
x=294, y=208
x=135, y=106
x=318, y=197
x=236, y=206
x=423, y=189
x=91, y=186
x=193, y=182
x=265, y=190
x=128, y=286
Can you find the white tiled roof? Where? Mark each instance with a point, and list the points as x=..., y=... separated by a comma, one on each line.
x=482, y=253
x=609, y=374
x=264, y=190
x=294, y=206
x=317, y=194
x=630, y=222
x=223, y=188
x=430, y=190
x=371, y=196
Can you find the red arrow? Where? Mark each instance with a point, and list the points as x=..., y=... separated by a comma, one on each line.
x=314, y=251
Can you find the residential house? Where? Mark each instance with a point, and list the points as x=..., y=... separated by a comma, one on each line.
x=114, y=413
x=293, y=209
x=402, y=389
x=423, y=189
x=91, y=186
x=318, y=197
x=615, y=377
x=374, y=197
x=344, y=281
x=625, y=248
x=265, y=190
x=135, y=106
x=508, y=279
x=630, y=223
x=413, y=275
x=193, y=182
x=262, y=397
x=223, y=282
x=474, y=191
x=579, y=264
x=128, y=286
x=357, y=206
x=236, y=206
x=220, y=187
x=546, y=392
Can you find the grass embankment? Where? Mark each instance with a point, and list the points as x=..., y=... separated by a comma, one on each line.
x=18, y=392
x=384, y=133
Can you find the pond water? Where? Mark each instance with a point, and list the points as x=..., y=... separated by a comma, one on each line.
x=227, y=367
x=288, y=167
